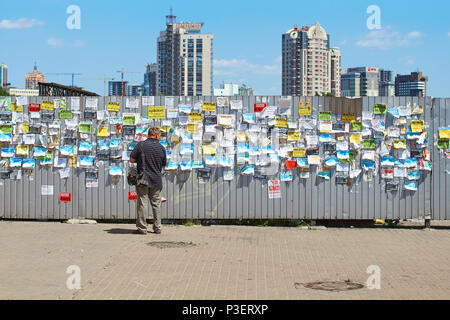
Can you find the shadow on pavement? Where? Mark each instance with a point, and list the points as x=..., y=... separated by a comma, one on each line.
x=121, y=231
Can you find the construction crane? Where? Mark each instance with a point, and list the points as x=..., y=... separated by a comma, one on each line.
x=105, y=78
x=121, y=71
x=67, y=74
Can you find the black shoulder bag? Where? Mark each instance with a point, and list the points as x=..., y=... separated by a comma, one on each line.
x=133, y=177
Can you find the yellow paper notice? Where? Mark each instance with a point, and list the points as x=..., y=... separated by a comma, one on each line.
x=208, y=149
x=355, y=138
x=400, y=144
x=417, y=126
x=22, y=150
x=294, y=135
x=348, y=117
x=444, y=133
x=195, y=117
x=192, y=127
x=113, y=106
x=25, y=127
x=102, y=132
x=47, y=105
x=298, y=153
x=281, y=122
x=73, y=161
x=209, y=106
x=157, y=112
x=15, y=107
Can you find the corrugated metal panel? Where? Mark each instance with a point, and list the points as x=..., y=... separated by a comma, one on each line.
x=244, y=197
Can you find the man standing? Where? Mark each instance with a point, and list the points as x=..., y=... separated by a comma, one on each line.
x=150, y=156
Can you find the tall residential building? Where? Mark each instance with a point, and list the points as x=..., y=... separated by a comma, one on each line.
x=386, y=84
x=336, y=71
x=414, y=84
x=360, y=82
x=306, y=62
x=184, y=59
x=134, y=90
x=245, y=90
x=117, y=88
x=3, y=75
x=33, y=78
x=150, y=80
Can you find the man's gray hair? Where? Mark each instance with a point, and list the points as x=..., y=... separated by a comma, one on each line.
x=154, y=131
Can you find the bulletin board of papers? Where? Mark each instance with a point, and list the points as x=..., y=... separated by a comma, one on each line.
x=269, y=142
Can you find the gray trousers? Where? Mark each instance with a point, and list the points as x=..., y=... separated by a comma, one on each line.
x=145, y=194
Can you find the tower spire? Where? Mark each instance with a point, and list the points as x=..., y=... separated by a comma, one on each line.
x=171, y=19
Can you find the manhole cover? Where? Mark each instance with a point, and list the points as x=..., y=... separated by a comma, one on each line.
x=170, y=244
x=334, y=285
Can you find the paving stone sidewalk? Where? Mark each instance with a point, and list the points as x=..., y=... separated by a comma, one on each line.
x=220, y=262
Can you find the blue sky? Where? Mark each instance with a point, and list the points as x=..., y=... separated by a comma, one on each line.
x=247, y=37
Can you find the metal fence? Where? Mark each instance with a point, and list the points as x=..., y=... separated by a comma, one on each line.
x=189, y=197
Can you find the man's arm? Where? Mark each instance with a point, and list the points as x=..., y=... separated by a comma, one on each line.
x=164, y=158
x=134, y=154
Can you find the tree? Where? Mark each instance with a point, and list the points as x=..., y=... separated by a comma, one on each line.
x=3, y=92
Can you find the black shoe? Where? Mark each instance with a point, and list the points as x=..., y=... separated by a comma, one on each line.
x=157, y=231
x=140, y=232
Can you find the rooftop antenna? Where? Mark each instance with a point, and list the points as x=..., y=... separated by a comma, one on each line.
x=171, y=19
x=35, y=66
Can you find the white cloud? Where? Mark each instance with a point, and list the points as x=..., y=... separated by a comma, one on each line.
x=21, y=23
x=242, y=66
x=385, y=39
x=448, y=34
x=53, y=42
x=343, y=42
x=78, y=43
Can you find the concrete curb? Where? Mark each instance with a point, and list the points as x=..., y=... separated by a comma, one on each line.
x=80, y=221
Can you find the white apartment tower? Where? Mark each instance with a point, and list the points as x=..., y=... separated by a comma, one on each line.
x=309, y=66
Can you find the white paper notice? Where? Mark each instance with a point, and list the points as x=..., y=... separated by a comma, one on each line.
x=148, y=101
x=172, y=113
x=46, y=190
x=132, y=102
x=236, y=104
x=91, y=103
x=22, y=101
x=75, y=103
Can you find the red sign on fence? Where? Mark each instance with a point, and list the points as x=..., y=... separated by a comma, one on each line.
x=64, y=196
x=274, y=189
x=34, y=107
x=259, y=107
x=132, y=195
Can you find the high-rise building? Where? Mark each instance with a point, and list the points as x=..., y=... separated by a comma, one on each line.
x=335, y=72
x=184, y=59
x=360, y=82
x=245, y=90
x=33, y=78
x=134, y=90
x=117, y=88
x=3, y=75
x=150, y=80
x=306, y=62
x=386, y=84
x=414, y=84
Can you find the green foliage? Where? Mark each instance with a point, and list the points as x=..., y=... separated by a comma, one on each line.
x=3, y=93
